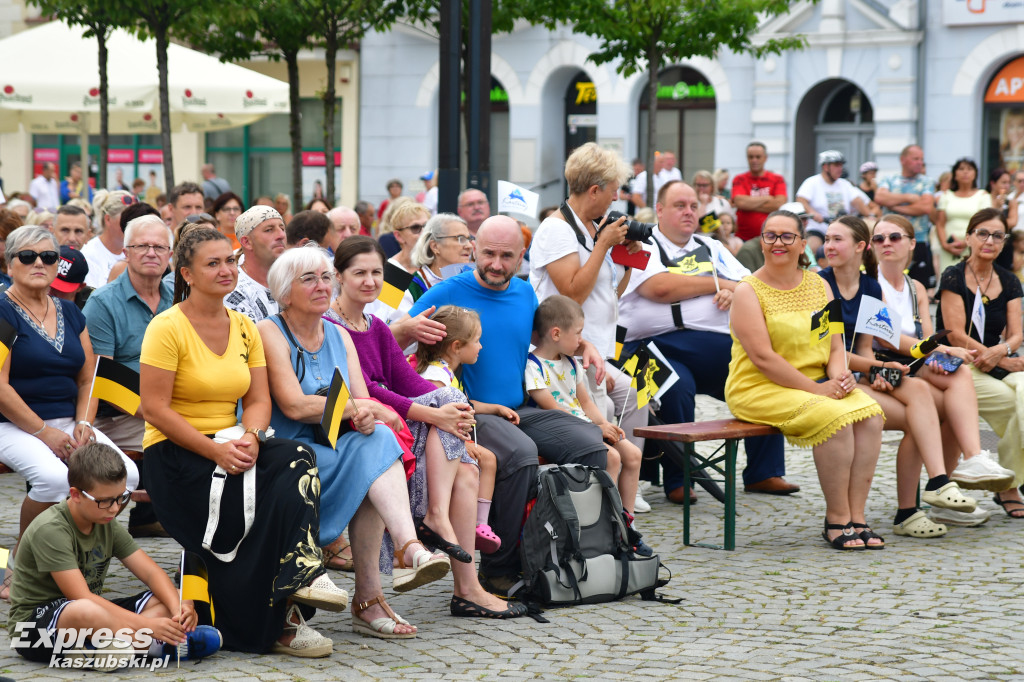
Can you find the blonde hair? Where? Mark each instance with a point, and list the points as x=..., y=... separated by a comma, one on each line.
x=460, y=324
x=384, y=224
x=591, y=165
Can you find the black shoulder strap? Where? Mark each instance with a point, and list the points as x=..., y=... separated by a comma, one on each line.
x=571, y=219
x=918, y=330
x=300, y=361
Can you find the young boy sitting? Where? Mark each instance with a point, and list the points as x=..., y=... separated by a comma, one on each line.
x=62, y=561
x=553, y=382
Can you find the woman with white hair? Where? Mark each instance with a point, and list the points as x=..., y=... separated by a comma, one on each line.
x=362, y=481
x=104, y=251
x=446, y=240
x=45, y=380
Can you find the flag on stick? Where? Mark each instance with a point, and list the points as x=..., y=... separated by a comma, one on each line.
x=396, y=281
x=116, y=384
x=7, y=335
x=874, y=318
x=826, y=322
x=337, y=397
x=694, y=263
x=978, y=315
x=620, y=340
x=710, y=222
x=194, y=584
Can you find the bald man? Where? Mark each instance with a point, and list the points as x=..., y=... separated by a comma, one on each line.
x=506, y=305
x=346, y=223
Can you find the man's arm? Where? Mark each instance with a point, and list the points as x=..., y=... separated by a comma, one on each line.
x=669, y=287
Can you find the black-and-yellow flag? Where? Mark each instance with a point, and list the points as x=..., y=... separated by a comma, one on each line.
x=194, y=584
x=826, y=322
x=694, y=263
x=636, y=367
x=620, y=340
x=337, y=397
x=710, y=223
x=396, y=281
x=116, y=384
x=7, y=335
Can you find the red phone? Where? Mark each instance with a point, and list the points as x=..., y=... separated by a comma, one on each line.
x=622, y=256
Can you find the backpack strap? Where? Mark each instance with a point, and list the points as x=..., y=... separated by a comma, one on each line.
x=912, y=288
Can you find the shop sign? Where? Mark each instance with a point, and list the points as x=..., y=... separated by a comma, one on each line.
x=319, y=159
x=683, y=90
x=151, y=156
x=120, y=156
x=966, y=12
x=1008, y=84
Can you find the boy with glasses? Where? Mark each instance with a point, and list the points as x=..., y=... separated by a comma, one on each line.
x=61, y=565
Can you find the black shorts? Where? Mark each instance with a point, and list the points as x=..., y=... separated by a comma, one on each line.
x=31, y=642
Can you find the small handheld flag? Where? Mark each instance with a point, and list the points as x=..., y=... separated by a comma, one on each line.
x=620, y=340
x=826, y=322
x=396, y=281
x=710, y=222
x=636, y=367
x=661, y=376
x=926, y=346
x=194, y=584
x=337, y=397
x=978, y=315
x=874, y=318
x=116, y=384
x=7, y=335
x=694, y=263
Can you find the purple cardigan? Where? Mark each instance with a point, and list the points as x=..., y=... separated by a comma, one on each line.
x=389, y=378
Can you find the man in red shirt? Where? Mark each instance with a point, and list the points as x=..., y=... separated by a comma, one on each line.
x=756, y=193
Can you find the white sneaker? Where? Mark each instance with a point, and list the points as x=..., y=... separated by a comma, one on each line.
x=641, y=506
x=644, y=486
x=982, y=472
x=958, y=518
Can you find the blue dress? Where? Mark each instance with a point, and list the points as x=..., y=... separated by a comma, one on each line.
x=346, y=472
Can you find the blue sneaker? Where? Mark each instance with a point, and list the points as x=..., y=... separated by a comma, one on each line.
x=204, y=641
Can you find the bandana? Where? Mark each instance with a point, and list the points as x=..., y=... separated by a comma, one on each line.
x=251, y=219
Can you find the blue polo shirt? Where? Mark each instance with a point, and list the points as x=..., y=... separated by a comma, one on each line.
x=117, y=318
x=506, y=318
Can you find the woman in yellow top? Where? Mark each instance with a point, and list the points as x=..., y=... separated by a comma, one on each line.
x=262, y=496
x=778, y=376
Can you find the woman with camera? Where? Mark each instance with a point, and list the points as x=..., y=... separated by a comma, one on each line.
x=571, y=254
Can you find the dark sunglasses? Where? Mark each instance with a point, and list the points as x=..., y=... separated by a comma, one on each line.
x=28, y=256
x=895, y=238
x=200, y=218
x=415, y=228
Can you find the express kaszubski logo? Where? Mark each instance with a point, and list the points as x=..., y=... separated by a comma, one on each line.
x=190, y=100
x=88, y=648
x=9, y=94
x=251, y=100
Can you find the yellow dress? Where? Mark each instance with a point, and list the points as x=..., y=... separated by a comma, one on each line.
x=804, y=418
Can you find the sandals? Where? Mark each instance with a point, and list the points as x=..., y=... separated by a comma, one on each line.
x=949, y=497
x=334, y=560
x=383, y=627
x=430, y=538
x=1015, y=513
x=322, y=593
x=865, y=532
x=463, y=608
x=486, y=539
x=841, y=541
x=308, y=643
x=920, y=526
x=426, y=568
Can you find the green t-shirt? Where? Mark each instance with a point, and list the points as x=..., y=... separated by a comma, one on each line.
x=53, y=542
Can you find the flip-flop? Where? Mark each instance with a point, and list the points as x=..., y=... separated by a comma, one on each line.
x=1015, y=513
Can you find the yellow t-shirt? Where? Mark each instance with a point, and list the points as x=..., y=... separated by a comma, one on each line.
x=207, y=386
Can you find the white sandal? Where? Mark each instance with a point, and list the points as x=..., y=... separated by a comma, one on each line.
x=322, y=593
x=426, y=568
x=383, y=627
x=307, y=643
x=920, y=526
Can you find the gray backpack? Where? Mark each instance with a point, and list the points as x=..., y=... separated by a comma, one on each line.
x=576, y=547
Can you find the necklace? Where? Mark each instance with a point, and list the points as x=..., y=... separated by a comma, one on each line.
x=348, y=323
x=46, y=308
x=988, y=281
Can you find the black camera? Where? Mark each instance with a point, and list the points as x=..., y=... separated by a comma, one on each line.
x=635, y=230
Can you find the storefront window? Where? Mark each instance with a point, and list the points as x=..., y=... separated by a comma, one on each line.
x=685, y=119
x=1004, y=119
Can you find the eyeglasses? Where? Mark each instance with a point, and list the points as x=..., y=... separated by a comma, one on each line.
x=109, y=502
x=983, y=235
x=463, y=239
x=310, y=279
x=142, y=249
x=199, y=218
x=786, y=238
x=478, y=202
x=28, y=256
x=415, y=228
x=895, y=238
x=231, y=209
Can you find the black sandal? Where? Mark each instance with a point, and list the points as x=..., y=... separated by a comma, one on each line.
x=464, y=608
x=839, y=541
x=431, y=538
x=1012, y=513
x=865, y=532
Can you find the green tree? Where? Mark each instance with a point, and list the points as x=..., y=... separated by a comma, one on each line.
x=646, y=35
x=99, y=18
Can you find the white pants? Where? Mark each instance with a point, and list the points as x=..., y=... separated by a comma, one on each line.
x=48, y=475
x=621, y=401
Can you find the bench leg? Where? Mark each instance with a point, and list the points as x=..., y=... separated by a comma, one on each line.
x=731, y=446
x=687, y=482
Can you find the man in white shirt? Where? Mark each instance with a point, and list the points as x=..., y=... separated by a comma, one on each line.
x=44, y=188
x=430, y=191
x=687, y=318
x=668, y=172
x=828, y=195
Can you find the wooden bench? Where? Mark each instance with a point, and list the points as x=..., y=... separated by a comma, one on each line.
x=722, y=461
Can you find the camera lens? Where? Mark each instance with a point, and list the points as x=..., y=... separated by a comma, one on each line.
x=635, y=230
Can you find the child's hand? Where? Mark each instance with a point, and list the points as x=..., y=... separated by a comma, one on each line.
x=508, y=413
x=167, y=629
x=612, y=434
x=473, y=450
x=188, y=616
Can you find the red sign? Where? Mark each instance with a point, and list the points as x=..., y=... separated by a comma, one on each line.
x=120, y=156
x=318, y=159
x=1008, y=84
x=46, y=154
x=151, y=156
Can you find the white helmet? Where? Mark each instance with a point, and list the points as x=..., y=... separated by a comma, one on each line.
x=830, y=156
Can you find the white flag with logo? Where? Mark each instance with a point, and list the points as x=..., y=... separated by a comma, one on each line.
x=978, y=314
x=514, y=199
x=874, y=318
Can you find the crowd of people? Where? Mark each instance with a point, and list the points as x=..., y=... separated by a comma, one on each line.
x=495, y=356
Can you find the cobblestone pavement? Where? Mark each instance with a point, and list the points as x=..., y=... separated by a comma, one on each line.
x=783, y=606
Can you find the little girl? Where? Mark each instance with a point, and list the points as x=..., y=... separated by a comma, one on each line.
x=726, y=233
x=438, y=364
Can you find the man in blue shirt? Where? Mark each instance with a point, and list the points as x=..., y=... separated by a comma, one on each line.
x=117, y=315
x=506, y=305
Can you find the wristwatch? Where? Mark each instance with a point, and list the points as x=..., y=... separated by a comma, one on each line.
x=260, y=434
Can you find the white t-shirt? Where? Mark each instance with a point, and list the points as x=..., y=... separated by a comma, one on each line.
x=100, y=260
x=555, y=239
x=664, y=176
x=45, y=192
x=559, y=377
x=901, y=302
x=430, y=200
x=829, y=200
x=639, y=185
x=644, y=318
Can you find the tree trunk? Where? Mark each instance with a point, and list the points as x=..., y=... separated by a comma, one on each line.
x=330, y=101
x=291, y=58
x=160, y=33
x=653, y=62
x=102, y=32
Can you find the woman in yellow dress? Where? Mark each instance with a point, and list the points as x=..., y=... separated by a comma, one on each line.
x=778, y=376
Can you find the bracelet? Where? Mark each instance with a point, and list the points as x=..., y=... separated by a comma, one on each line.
x=1009, y=351
x=41, y=429
x=85, y=423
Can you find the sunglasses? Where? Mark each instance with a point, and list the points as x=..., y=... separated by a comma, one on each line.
x=200, y=218
x=109, y=502
x=415, y=228
x=895, y=238
x=28, y=256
